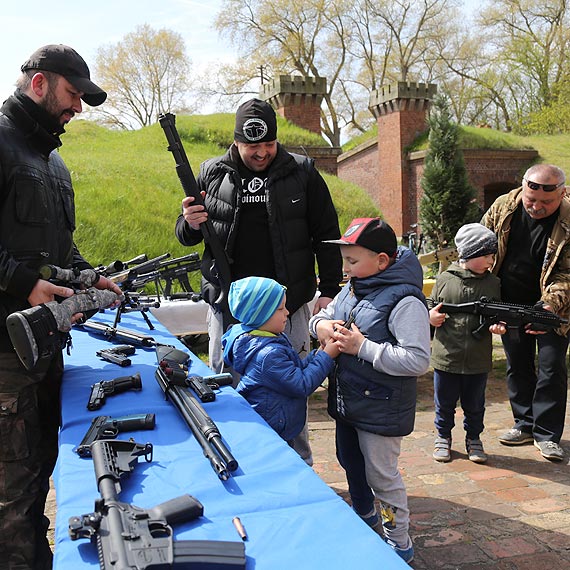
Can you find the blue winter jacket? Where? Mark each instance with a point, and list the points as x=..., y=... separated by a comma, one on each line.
x=275, y=381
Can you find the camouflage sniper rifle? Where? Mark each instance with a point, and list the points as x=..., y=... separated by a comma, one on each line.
x=514, y=316
x=132, y=538
x=220, y=268
x=40, y=332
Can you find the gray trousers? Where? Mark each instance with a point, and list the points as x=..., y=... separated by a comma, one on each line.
x=297, y=329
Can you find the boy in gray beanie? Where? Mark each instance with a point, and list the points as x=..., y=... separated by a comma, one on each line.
x=462, y=362
x=274, y=379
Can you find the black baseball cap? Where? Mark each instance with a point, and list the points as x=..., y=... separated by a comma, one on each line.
x=65, y=61
x=372, y=233
x=255, y=122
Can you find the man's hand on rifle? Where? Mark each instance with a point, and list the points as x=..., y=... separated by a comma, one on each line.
x=44, y=292
x=105, y=283
x=528, y=327
x=194, y=214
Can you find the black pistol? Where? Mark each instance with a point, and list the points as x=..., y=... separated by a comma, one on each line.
x=117, y=354
x=106, y=427
x=100, y=390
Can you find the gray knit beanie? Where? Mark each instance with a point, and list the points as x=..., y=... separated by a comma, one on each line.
x=475, y=240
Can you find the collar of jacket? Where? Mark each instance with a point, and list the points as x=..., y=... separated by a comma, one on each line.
x=36, y=124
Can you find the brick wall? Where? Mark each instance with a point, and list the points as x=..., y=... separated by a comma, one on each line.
x=304, y=111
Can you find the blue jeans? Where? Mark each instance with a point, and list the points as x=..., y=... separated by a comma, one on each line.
x=469, y=389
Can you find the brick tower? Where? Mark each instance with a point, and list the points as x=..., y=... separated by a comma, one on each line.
x=401, y=112
x=297, y=99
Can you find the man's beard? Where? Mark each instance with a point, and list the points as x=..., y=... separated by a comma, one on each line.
x=51, y=106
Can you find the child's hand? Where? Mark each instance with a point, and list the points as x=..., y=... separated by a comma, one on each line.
x=331, y=348
x=498, y=328
x=436, y=319
x=348, y=341
x=325, y=330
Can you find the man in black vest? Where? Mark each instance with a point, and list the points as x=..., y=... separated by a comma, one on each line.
x=273, y=211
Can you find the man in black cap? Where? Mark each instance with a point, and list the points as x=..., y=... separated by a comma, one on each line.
x=37, y=220
x=272, y=211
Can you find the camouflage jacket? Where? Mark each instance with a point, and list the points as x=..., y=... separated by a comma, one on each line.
x=555, y=274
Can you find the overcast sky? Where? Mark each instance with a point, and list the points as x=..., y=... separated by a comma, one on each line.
x=86, y=26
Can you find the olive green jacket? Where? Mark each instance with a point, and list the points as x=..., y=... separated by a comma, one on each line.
x=555, y=275
x=454, y=348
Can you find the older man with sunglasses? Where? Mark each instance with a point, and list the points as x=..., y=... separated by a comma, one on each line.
x=532, y=224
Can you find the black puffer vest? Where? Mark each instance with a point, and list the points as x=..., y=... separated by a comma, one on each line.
x=287, y=215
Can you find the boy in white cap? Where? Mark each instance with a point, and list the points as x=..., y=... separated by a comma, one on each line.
x=372, y=393
x=461, y=361
x=274, y=379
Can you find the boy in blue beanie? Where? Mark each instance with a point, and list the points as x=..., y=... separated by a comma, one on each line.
x=372, y=393
x=274, y=379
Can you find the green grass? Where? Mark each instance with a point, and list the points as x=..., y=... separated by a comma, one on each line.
x=128, y=194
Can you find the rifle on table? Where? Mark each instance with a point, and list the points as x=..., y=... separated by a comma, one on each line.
x=106, y=427
x=132, y=538
x=110, y=332
x=175, y=364
x=514, y=316
x=202, y=426
x=220, y=269
x=177, y=269
x=117, y=266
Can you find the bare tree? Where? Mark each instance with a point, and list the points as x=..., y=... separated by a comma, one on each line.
x=144, y=74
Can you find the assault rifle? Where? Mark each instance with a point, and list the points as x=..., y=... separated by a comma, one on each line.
x=514, y=316
x=132, y=538
x=177, y=269
x=202, y=426
x=220, y=268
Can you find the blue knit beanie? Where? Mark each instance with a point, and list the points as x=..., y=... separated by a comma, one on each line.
x=253, y=300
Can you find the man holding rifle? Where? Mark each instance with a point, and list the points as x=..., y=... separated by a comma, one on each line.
x=272, y=212
x=36, y=228
x=532, y=224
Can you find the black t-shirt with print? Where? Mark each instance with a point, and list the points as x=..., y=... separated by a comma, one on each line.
x=522, y=265
x=253, y=254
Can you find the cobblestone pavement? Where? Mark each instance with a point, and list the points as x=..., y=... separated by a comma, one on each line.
x=513, y=513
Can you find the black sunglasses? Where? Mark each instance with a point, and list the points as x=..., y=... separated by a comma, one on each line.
x=545, y=187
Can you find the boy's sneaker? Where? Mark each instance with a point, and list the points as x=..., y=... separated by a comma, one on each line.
x=550, y=450
x=515, y=437
x=406, y=554
x=475, y=450
x=442, y=449
x=372, y=520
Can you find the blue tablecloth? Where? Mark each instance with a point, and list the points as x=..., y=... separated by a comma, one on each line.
x=292, y=518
